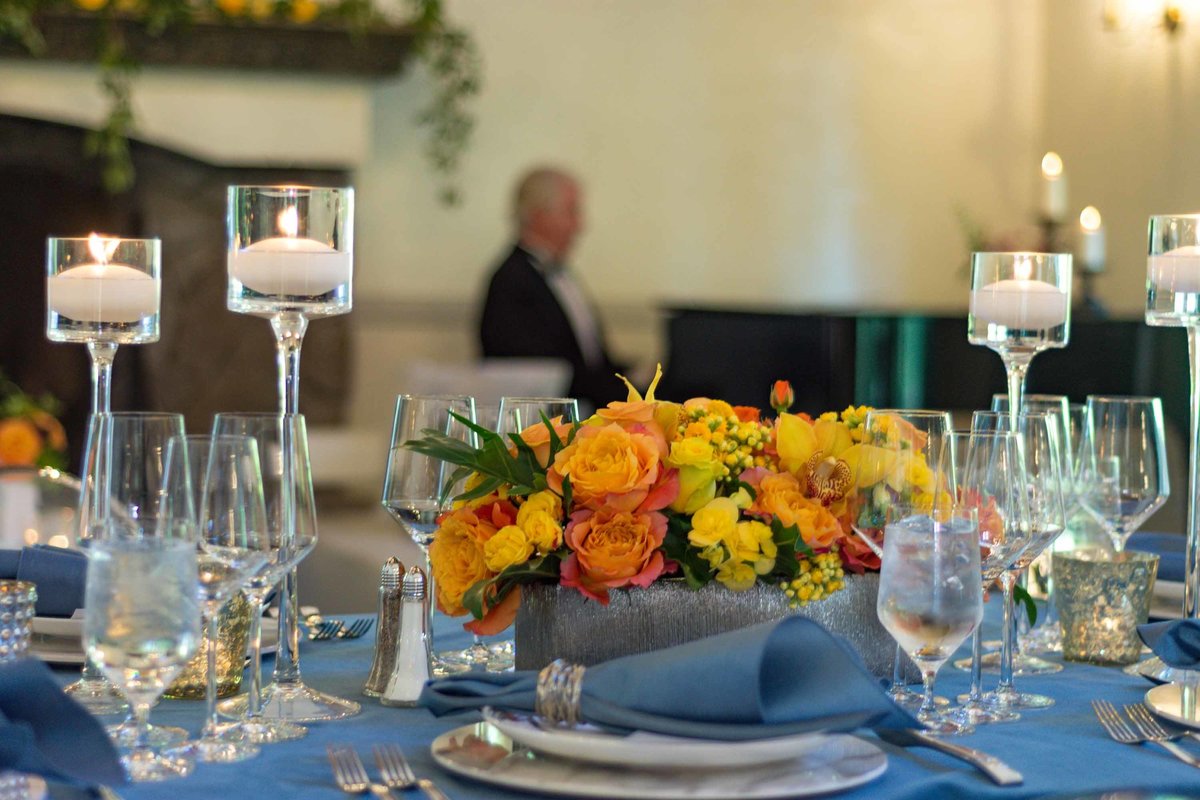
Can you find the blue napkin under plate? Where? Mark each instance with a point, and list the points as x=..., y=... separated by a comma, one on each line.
x=60, y=576
x=42, y=731
x=774, y=679
x=1176, y=642
x=1169, y=547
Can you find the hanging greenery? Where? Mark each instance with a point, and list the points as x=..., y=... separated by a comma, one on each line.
x=447, y=51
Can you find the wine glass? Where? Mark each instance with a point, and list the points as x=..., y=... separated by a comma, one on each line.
x=417, y=488
x=1038, y=433
x=893, y=440
x=989, y=477
x=930, y=597
x=227, y=490
x=1020, y=305
x=141, y=614
x=270, y=714
x=290, y=259
x=1123, y=470
x=124, y=472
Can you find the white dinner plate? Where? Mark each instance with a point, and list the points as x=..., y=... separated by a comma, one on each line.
x=21, y=786
x=1167, y=600
x=1167, y=700
x=57, y=640
x=484, y=753
x=642, y=749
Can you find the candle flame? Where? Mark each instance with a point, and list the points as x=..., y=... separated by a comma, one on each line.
x=1089, y=219
x=289, y=222
x=102, y=248
x=1052, y=166
x=1023, y=269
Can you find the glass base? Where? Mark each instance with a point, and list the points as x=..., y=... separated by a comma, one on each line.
x=1046, y=639
x=496, y=657
x=98, y=696
x=977, y=712
x=1022, y=665
x=942, y=724
x=149, y=766
x=1011, y=699
x=1154, y=669
x=911, y=701
x=296, y=702
x=227, y=746
x=259, y=731
x=157, y=736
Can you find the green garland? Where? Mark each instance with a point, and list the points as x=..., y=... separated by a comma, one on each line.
x=448, y=52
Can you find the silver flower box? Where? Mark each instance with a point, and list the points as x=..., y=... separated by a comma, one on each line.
x=555, y=622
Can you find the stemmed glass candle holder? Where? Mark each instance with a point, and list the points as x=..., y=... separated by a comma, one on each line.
x=290, y=259
x=1020, y=305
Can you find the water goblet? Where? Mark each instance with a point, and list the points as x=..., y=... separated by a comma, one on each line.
x=290, y=259
x=271, y=714
x=1020, y=305
x=930, y=597
x=417, y=488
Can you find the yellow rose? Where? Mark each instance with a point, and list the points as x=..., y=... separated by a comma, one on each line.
x=713, y=524
x=692, y=451
x=20, y=443
x=457, y=563
x=232, y=8
x=540, y=502
x=508, y=546
x=736, y=576
x=542, y=530
x=303, y=10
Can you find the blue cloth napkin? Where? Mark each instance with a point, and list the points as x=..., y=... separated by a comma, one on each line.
x=60, y=576
x=43, y=731
x=1176, y=642
x=773, y=679
x=1169, y=547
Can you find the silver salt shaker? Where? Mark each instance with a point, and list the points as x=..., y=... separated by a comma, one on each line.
x=387, y=627
x=414, y=655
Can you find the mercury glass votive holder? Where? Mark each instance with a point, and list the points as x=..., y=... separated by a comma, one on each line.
x=17, y=599
x=1102, y=599
x=233, y=625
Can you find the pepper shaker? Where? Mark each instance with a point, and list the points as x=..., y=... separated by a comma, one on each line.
x=414, y=656
x=387, y=627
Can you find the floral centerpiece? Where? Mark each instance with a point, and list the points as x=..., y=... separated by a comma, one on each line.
x=30, y=433
x=648, y=488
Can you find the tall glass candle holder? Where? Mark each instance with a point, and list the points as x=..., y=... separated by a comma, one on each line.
x=290, y=259
x=1020, y=306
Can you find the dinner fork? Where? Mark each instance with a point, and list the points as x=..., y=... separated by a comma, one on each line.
x=1120, y=730
x=356, y=629
x=326, y=630
x=397, y=774
x=350, y=775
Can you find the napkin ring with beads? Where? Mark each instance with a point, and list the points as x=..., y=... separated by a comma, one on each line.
x=559, y=688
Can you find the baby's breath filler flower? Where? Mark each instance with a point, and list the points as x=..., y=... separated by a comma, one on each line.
x=820, y=576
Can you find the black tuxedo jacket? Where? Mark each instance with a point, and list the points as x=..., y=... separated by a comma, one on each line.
x=523, y=318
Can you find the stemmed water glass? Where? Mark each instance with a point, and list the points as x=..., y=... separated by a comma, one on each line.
x=1020, y=305
x=103, y=291
x=1038, y=433
x=989, y=477
x=141, y=618
x=417, y=488
x=930, y=597
x=291, y=259
x=895, y=440
x=227, y=483
x=271, y=715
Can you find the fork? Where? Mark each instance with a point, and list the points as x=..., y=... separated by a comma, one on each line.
x=356, y=629
x=397, y=774
x=1120, y=730
x=326, y=630
x=351, y=776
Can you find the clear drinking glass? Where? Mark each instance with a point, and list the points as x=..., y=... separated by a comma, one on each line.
x=418, y=488
x=930, y=597
x=227, y=483
x=893, y=439
x=290, y=259
x=270, y=715
x=1020, y=305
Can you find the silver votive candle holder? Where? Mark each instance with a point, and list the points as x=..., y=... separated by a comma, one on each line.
x=17, y=599
x=1102, y=598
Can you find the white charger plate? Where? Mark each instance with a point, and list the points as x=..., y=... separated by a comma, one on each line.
x=58, y=640
x=484, y=753
x=1166, y=700
x=648, y=750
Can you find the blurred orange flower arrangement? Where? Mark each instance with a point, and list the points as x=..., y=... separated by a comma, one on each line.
x=30, y=433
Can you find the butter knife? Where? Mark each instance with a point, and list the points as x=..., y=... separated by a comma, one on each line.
x=999, y=772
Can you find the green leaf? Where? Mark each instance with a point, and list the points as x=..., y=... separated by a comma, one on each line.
x=696, y=570
x=1020, y=595
x=487, y=594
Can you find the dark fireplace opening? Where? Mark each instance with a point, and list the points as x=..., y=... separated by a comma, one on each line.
x=208, y=359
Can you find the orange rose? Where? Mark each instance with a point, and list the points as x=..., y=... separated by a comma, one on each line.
x=456, y=558
x=538, y=437
x=613, y=548
x=779, y=497
x=611, y=465
x=20, y=443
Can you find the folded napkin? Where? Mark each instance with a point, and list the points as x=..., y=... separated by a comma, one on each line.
x=47, y=733
x=59, y=574
x=1176, y=642
x=773, y=679
x=1169, y=547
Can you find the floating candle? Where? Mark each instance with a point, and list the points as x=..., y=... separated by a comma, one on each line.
x=1020, y=304
x=289, y=265
x=103, y=293
x=1176, y=270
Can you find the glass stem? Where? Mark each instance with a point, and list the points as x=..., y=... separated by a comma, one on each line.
x=289, y=328
x=210, y=691
x=102, y=355
x=898, y=670
x=928, y=709
x=254, y=698
x=976, y=693
x=1006, y=652
x=1191, y=584
x=1016, y=366
x=141, y=716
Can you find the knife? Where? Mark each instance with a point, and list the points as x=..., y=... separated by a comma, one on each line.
x=999, y=772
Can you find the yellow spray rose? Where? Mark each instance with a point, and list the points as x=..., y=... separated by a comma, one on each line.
x=545, y=501
x=698, y=469
x=543, y=531
x=507, y=547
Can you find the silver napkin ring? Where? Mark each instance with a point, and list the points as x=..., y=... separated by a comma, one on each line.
x=559, y=688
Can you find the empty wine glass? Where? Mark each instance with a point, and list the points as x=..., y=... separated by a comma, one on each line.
x=271, y=714
x=1123, y=470
x=930, y=596
x=418, y=488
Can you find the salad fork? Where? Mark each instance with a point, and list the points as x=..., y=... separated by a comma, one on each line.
x=397, y=774
x=326, y=630
x=1121, y=731
x=356, y=629
x=351, y=776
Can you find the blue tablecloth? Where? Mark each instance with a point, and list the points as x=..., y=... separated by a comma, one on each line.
x=1062, y=751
